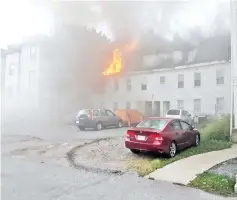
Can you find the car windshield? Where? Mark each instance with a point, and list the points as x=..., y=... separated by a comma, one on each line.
x=173, y=112
x=158, y=124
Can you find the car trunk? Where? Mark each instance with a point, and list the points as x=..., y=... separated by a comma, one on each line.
x=143, y=135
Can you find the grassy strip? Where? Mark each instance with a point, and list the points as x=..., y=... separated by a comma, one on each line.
x=214, y=183
x=145, y=166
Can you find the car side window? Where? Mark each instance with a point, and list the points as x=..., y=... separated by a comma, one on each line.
x=103, y=113
x=96, y=113
x=175, y=126
x=110, y=113
x=185, y=126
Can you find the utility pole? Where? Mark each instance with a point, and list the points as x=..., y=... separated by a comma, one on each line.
x=233, y=111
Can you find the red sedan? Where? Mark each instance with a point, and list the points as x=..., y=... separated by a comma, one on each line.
x=163, y=135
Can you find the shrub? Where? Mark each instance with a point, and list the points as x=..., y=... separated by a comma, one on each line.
x=217, y=130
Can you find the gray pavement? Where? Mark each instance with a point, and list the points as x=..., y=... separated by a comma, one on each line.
x=23, y=180
x=26, y=178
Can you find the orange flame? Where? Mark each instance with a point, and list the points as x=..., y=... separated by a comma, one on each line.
x=116, y=66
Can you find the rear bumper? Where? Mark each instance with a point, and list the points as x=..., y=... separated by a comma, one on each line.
x=86, y=124
x=147, y=147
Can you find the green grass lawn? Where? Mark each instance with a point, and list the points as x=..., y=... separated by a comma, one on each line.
x=145, y=166
x=214, y=183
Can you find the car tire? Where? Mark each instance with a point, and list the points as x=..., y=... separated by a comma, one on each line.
x=120, y=124
x=197, y=140
x=172, y=150
x=99, y=126
x=82, y=128
x=135, y=151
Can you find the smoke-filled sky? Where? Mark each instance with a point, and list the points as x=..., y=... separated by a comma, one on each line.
x=118, y=20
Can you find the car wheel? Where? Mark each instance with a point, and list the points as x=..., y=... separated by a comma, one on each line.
x=172, y=150
x=135, y=151
x=82, y=128
x=120, y=125
x=99, y=126
x=197, y=140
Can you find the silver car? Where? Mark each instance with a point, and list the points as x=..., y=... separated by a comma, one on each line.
x=97, y=119
x=180, y=114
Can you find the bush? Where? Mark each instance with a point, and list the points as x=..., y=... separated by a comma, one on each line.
x=217, y=130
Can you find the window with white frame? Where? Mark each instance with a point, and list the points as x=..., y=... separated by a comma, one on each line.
x=144, y=84
x=129, y=85
x=220, y=77
x=197, y=105
x=162, y=79
x=116, y=85
x=11, y=69
x=181, y=81
x=197, y=79
x=128, y=105
x=32, y=53
x=180, y=104
x=115, y=106
x=220, y=105
x=32, y=78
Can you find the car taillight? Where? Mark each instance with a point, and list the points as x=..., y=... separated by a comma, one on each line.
x=130, y=134
x=158, y=138
x=90, y=115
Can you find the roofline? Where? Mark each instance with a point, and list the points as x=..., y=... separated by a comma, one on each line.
x=151, y=71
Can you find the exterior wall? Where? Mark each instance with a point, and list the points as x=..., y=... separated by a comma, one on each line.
x=20, y=81
x=234, y=56
x=169, y=91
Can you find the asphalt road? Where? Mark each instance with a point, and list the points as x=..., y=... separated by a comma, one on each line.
x=59, y=132
x=23, y=180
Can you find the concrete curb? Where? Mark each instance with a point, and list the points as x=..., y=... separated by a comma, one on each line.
x=235, y=188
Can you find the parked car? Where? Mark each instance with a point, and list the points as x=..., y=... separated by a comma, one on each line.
x=180, y=114
x=163, y=135
x=97, y=119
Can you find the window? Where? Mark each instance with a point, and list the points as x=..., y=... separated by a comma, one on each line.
x=219, y=105
x=128, y=105
x=11, y=69
x=103, y=113
x=197, y=79
x=116, y=85
x=162, y=80
x=173, y=112
x=143, y=86
x=197, y=105
x=220, y=77
x=129, y=86
x=175, y=126
x=32, y=53
x=96, y=113
x=180, y=104
x=185, y=126
x=115, y=106
x=180, y=81
x=110, y=113
x=32, y=78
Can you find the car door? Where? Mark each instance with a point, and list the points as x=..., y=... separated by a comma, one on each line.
x=187, y=133
x=112, y=118
x=104, y=117
x=178, y=133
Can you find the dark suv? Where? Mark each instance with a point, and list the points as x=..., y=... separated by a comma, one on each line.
x=97, y=119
